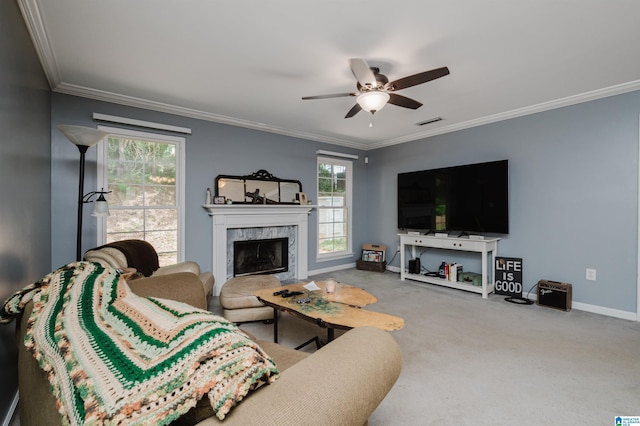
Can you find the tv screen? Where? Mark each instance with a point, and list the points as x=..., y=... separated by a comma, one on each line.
x=473, y=198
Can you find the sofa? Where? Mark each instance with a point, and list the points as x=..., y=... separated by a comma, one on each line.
x=341, y=383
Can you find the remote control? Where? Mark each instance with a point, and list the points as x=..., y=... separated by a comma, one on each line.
x=291, y=293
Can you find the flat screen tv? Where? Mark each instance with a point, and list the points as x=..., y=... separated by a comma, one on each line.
x=473, y=198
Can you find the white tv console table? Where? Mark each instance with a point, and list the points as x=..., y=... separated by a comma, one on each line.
x=484, y=246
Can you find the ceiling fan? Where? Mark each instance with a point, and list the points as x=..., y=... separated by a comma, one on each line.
x=375, y=90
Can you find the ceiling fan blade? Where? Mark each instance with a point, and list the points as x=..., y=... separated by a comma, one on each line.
x=403, y=101
x=335, y=95
x=414, y=80
x=353, y=111
x=362, y=72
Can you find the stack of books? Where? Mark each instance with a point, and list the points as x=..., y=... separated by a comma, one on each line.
x=452, y=271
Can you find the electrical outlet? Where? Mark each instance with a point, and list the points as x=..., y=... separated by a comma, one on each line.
x=591, y=274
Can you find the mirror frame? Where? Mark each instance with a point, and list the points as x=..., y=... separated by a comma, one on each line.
x=260, y=180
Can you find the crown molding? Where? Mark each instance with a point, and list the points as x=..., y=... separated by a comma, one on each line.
x=101, y=95
x=533, y=109
x=85, y=92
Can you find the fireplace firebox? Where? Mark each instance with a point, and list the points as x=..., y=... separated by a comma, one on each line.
x=265, y=256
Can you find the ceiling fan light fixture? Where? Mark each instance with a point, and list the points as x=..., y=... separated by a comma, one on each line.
x=373, y=101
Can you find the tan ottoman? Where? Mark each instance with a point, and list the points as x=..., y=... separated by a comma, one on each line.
x=238, y=302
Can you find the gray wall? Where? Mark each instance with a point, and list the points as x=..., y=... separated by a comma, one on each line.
x=213, y=149
x=573, y=193
x=25, y=155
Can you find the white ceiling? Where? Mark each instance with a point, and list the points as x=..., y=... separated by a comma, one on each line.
x=249, y=62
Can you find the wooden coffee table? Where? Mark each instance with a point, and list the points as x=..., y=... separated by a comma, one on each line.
x=341, y=309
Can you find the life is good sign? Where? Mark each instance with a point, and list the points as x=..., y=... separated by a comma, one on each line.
x=508, y=280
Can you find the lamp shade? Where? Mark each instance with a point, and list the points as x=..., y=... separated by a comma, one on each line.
x=101, y=207
x=373, y=100
x=82, y=136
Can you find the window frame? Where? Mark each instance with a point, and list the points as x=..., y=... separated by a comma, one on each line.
x=348, y=253
x=102, y=178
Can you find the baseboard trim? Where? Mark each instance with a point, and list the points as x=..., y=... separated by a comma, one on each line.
x=615, y=313
x=595, y=309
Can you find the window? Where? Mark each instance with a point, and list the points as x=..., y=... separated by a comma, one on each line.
x=144, y=171
x=334, y=207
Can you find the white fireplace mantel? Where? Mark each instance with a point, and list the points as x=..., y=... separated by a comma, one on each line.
x=230, y=216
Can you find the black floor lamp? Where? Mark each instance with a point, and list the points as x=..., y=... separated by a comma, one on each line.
x=84, y=138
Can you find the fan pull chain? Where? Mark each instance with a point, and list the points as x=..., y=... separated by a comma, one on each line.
x=371, y=122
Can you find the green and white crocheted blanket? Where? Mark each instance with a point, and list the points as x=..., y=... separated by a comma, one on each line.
x=113, y=357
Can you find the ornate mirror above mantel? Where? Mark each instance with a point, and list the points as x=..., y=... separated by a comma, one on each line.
x=260, y=187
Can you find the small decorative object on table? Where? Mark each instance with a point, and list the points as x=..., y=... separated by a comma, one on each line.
x=330, y=284
x=219, y=200
x=301, y=198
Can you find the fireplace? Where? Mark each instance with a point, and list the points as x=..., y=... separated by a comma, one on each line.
x=286, y=234
x=265, y=256
x=231, y=220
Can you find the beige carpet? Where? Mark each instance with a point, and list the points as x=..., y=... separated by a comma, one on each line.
x=469, y=361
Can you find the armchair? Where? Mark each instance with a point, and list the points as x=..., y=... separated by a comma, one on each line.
x=141, y=255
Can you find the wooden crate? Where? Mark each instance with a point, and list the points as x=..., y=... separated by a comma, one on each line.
x=371, y=266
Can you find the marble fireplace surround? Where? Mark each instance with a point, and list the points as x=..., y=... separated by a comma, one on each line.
x=229, y=216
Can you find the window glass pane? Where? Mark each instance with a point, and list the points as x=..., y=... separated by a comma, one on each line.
x=163, y=241
x=332, y=201
x=160, y=174
x=340, y=244
x=324, y=170
x=125, y=221
x=160, y=219
x=325, y=185
x=121, y=149
x=160, y=195
x=331, y=215
x=339, y=230
x=332, y=245
x=125, y=173
x=168, y=258
x=124, y=195
x=324, y=215
x=142, y=175
x=325, y=245
x=325, y=230
x=324, y=200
